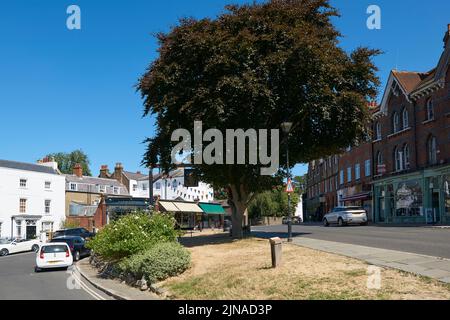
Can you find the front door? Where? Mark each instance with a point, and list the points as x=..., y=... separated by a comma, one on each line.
x=31, y=232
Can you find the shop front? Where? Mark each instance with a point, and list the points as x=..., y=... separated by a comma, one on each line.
x=358, y=196
x=418, y=198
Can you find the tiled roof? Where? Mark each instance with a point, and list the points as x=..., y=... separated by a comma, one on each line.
x=134, y=175
x=93, y=180
x=27, y=166
x=409, y=80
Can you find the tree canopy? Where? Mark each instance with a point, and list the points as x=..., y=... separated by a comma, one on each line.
x=66, y=161
x=256, y=66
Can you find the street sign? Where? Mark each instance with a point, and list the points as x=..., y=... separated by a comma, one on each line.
x=289, y=187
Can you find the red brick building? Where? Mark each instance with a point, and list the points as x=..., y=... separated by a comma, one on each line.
x=409, y=156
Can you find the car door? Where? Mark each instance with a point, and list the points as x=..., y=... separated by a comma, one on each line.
x=23, y=245
x=14, y=247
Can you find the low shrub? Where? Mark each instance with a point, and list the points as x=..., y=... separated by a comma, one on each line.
x=161, y=261
x=133, y=233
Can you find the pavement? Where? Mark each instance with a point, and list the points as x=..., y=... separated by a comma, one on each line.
x=18, y=281
x=418, y=239
x=422, y=251
x=111, y=287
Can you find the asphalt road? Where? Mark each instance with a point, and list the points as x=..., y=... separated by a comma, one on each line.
x=421, y=240
x=18, y=281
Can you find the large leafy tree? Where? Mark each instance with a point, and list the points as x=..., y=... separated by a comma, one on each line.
x=255, y=66
x=66, y=161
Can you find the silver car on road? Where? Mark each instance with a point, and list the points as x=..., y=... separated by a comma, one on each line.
x=345, y=215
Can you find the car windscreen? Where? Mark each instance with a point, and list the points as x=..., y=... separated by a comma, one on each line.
x=5, y=241
x=54, y=249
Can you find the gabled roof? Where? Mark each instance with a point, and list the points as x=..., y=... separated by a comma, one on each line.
x=27, y=167
x=409, y=80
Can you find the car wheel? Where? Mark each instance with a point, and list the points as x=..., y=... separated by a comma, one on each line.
x=325, y=222
x=36, y=269
x=35, y=248
x=4, y=252
x=340, y=222
x=76, y=256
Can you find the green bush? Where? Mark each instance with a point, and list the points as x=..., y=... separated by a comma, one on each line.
x=133, y=233
x=161, y=261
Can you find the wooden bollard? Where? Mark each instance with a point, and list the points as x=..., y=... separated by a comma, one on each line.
x=275, y=247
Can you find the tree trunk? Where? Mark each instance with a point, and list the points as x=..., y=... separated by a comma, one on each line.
x=238, y=203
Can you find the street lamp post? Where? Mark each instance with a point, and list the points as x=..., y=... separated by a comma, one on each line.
x=286, y=127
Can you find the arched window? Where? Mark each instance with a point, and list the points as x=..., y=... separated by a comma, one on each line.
x=432, y=150
x=378, y=131
x=395, y=122
x=405, y=118
x=406, y=156
x=398, y=159
x=379, y=162
x=430, y=110
x=174, y=184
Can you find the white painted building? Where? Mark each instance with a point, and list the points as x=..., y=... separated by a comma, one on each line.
x=171, y=187
x=32, y=198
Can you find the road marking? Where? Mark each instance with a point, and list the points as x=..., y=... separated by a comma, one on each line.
x=94, y=294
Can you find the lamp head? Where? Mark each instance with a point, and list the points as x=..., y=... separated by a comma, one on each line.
x=286, y=127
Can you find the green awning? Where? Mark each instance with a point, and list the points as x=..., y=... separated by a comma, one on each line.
x=210, y=208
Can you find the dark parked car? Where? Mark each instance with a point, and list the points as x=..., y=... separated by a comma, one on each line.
x=75, y=232
x=76, y=245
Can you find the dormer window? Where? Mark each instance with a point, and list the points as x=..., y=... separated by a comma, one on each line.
x=430, y=110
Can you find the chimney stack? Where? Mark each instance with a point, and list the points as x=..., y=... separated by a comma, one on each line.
x=104, y=171
x=118, y=170
x=78, y=170
x=447, y=36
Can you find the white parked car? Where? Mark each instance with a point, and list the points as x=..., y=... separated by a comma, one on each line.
x=345, y=215
x=53, y=255
x=9, y=246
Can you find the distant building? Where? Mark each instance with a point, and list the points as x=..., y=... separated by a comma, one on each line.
x=31, y=198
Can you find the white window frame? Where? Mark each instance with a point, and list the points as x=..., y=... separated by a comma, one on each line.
x=341, y=177
x=357, y=171
x=24, y=185
x=24, y=200
x=47, y=205
x=367, y=169
x=349, y=174
x=395, y=122
x=102, y=188
x=405, y=118
x=116, y=190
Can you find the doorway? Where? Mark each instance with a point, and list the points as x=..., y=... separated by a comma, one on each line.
x=435, y=206
x=31, y=232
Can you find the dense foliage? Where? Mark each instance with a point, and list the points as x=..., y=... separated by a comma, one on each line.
x=132, y=234
x=256, y=66
x=272, y=203
x=161, y=261
x=66, y=161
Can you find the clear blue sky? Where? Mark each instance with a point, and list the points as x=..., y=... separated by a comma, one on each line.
x=62, y=90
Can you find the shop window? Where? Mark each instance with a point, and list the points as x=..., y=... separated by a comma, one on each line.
x=447, y=194
x=408, y=199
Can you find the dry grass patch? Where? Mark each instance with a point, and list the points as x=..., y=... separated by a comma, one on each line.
x=242, y=270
